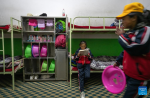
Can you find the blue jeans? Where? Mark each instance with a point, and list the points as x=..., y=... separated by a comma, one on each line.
x=83, y=74
x=132, y=87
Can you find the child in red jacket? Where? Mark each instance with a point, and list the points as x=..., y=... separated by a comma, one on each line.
x=83, y=65
x=136, y=44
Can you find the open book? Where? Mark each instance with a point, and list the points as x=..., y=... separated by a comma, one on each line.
x=84, y=52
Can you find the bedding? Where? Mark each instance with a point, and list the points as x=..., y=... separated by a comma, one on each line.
x=8, y=63
x=99, y=63
x=8, y=28
x=92, y=27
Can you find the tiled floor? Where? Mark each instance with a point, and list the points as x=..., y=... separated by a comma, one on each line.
x=54, y=89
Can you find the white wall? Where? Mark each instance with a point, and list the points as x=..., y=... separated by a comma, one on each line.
x=73, y=8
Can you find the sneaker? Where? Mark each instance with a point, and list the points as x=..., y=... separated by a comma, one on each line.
x=31, y=77
x=82, y=95
x=36, y=77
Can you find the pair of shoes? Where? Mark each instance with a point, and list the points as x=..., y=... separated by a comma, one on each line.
x=82, y=95
x=33, y=77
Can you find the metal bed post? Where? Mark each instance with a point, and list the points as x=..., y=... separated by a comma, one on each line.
x=12, y=53
x=3, y=51
x=70, y=53
x=89, y=22
x=103, y=23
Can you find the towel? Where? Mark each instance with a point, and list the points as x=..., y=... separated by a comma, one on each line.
x=32, y=22
x=50, y=22
x=41, y=23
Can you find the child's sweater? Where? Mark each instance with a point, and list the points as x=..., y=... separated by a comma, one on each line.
x=136, y=55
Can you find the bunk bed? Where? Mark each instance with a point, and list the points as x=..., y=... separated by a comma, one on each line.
x=10, y=64
x=78, y=29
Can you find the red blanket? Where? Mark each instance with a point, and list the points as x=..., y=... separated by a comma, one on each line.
x=92, y=27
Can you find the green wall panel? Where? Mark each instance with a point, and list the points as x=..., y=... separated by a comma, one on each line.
x=17, y=46
x=108, y=47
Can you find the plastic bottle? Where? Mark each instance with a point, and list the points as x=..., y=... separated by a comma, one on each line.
x=54, y=39
x=37, y=38
x=32, y=39
x=51, y=37
x=63, y=12
x=28, y=39
x=48, y=38
x=45, y=38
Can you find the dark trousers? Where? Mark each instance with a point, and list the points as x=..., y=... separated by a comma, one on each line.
x=132, y=87
x=83, y=74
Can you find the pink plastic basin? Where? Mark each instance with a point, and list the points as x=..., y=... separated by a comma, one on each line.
x=114, y=79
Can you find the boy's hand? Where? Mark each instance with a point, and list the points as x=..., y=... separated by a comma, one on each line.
x=119, y=31
x=116, y=65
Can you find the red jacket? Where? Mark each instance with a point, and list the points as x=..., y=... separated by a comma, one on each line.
x=83, y=59
x=137, y=67
x=136, y=56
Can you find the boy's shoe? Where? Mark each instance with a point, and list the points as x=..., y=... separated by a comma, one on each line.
x=82, y=95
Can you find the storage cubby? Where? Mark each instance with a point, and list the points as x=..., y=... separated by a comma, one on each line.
x=27, y=27
x=36, y=66
x=34, y=70
x=28, y=67
x=51, y=66
x=38, y=37
x=62, y=19
x=51, y=50
x=25, y=37
x=58, y=35
x=27, y=50
x=43, y=50
x=27, y=77
x=43, y=66
x=35, y=50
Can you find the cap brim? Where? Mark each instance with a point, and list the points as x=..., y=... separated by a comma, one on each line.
x=122, y=15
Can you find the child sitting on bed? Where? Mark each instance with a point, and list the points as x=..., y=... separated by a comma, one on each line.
x=83, y=65
x=136, y=44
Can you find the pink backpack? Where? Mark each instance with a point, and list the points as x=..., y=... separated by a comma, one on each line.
x=60, y=41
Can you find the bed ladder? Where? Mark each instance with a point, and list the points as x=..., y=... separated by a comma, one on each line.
x=2, y=38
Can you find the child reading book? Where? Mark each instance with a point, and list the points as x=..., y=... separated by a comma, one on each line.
x=83, y=57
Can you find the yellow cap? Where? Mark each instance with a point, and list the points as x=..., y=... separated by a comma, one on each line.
x=132, y=7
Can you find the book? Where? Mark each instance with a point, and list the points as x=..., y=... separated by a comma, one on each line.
x=84, y=52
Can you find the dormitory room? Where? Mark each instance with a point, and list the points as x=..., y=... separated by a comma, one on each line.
x=75, y=49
